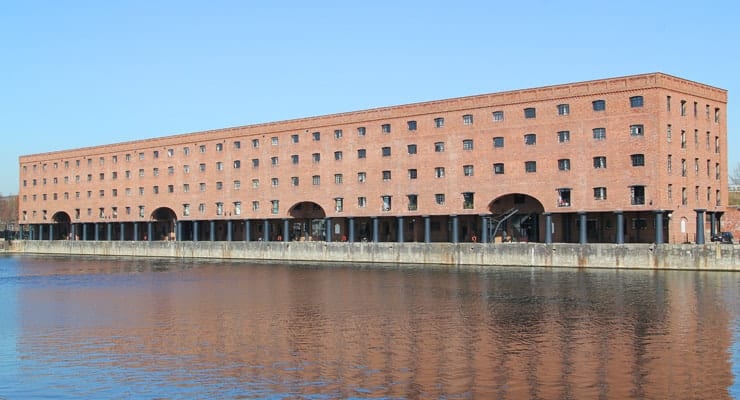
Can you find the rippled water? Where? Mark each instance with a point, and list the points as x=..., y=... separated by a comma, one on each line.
x=130, y=328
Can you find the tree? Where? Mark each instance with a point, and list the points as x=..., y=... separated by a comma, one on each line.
x=735, y=175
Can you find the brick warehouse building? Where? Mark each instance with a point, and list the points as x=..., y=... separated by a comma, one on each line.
x=622, y=160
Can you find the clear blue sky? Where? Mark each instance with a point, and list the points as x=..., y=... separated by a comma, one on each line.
x=82, y=73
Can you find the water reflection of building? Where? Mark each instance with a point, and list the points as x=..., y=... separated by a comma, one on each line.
x=430, y=334
x=626, y=159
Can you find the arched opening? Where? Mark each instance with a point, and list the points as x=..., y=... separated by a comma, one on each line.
x=515, y=217
x=63, y=225
x=164, y=221
x=309, y=221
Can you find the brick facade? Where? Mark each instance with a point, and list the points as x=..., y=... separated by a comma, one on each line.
x=308, y=165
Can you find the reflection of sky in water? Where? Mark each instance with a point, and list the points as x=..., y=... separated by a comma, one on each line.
x=8, y=324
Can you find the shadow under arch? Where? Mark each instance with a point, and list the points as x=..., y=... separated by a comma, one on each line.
x=164, y=221
x=63, y=222
x=309, y=221
x=515, y=217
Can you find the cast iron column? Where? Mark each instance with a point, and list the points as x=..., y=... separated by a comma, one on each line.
x=427, y=229
x=286, y=230
x=247, y=230
x=658, y=226
x=700, y=225
x=454, y=229
x=375, y=229
x=582, y=228
x=266, y=230
x=195, y=231
x=351, y=235
x=229, y=227
x=548, y=228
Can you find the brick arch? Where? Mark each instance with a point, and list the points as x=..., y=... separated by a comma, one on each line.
x=517, y=216
x=164, y=219
x=520, y=201
x=307, y=210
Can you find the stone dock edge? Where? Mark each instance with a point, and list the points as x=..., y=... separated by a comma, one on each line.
x=712, y=256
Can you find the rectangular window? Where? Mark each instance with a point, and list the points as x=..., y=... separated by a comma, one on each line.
x=316, y=136
x=186, y=187
x=530, y=139
x=385, y=128
x=683, y=108
x=274, y=140
x=237, y=164
x=202, y=167
x=637, y=130
x=219, y=147
x=412, y=173
x=468, y=170
x=362, y=202
x=273, y=181
x=530, y=112
x=413, y=202
x=637, y=195
x=219, y=208
x=361, y=153
x=439, y=172
x=696, y=166
x=498, y=116
x=668, y=134
x=563, y=197
x=716, y=144
x=684, y=197
x=386, y=151
x=563, y=109
x=339, y=204
x=498, y=141
x=600, y=162
x=294, y=159
x=255, y=183
x=219, y=166
x=668, y=103
x=316, y=180
x=386, y=202
x=696, y=109
x=338, y=133
x=638, y=160
x=275, y=206
x=683, y=167
x=636, y=101
x=294, y=181
x=670, y=192
x=468, y=144
x=202, y=148
x=439, y=147
x=237, y=208
x=316, y=157
x=599, y=133
x=439, y=122
x=386, y=175
x=411, y=125
x=670, y=164
x=338, y=179
x=361, y=131
x=411, y=149
x=237, y=184
x=599, y=105
x=468, y=119
x=716, y=118
x=237, y=145
x=530, y=166
x=468, y=200
x=294, y=139
x=338, y=155
x=563, y=136
x=564, y=164
x=439, y=199
x=683, y=139
x=202, y=187
x=599, y=193
x=498, y=168
x=361, y=177
x=255, y=205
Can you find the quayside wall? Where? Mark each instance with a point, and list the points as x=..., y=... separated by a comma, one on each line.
x=714, y=256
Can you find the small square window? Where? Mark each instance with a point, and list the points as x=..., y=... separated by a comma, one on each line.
x=385, y=128
x=412, y=173
x=439, y=147
x=498, y=168
x=563, y=109
x=599, y=193
x=468, y=144
x=386, y=151
x=530, y=112
x=338, y=134
x=498, y=116
x=498, y=141
x=468, y=119
x=411, y=149
x=599, y=133
x=411, y=125
x=294, y=159
x=599, y=105
x=361, y=153
x=563, y=136
x=316, y=136
x=274, y=140
x=386, y=175
x=468, y=170
x=439, y=122
x=219, y=147
x=530, y=166
x=361, y=131
x=600, y=162
x=637, y=130
x=294, y=139
x=636, y=101
x=530, y=139
x=638, y=160
x=564, y=164
x=439, y=199
x=338, y=179
x=338, y=155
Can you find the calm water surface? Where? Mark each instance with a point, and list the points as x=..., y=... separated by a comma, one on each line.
x=130, y=328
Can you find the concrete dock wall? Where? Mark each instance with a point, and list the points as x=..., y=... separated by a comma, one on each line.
x=641, y=256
